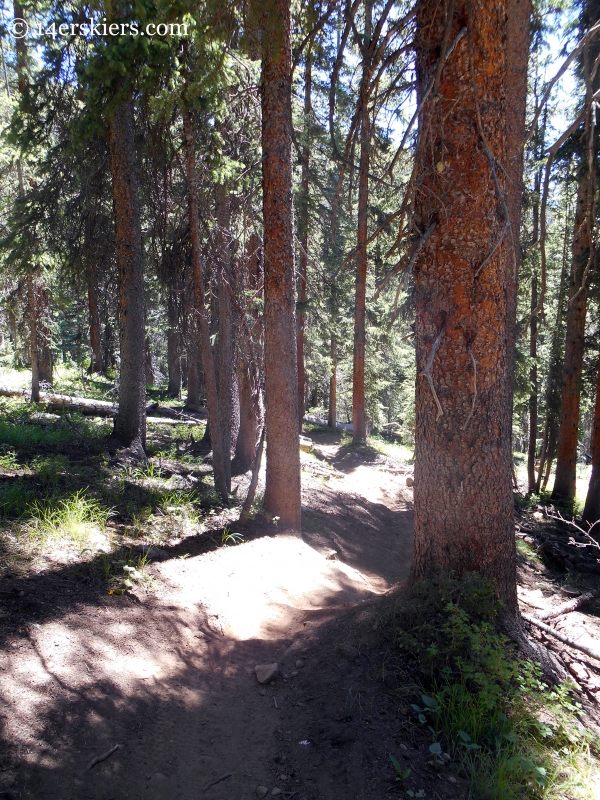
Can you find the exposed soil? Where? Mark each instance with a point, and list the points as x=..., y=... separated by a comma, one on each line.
x=168, y=674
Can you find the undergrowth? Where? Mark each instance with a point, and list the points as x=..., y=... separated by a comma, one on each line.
x=512, y=735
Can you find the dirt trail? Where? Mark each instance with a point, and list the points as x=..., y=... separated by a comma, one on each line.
x=169, y=676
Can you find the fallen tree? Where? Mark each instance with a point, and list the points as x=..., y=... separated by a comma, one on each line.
x=95, y=408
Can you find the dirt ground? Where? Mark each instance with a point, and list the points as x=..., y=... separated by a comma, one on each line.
x=168, y=675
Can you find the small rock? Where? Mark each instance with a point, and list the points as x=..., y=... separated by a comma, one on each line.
x=283, y=776
x=452, y=779
x=410, y=481
x=402, y=745
x=265, y=673
x=294, y=673
x=262, y=692
x=276, y=792
x=331, y=555
x=157, y=554
x=262, y=791
x=299, y=664
x=538, y=515
x=446, y=756
x=306, y=444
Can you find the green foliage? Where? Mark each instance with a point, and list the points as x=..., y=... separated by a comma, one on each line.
x=75, y=518
x=512, y=735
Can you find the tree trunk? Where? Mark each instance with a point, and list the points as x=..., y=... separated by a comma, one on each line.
x=21, y=64
x=250, y=420
x=96, y=360
x=591, y=511
x=282, y=495
x=228, y=401
x=332, y=416
x=553, y=388
x=173, y=347
x=250, y=368
x=44, y=336
x=33, y=338
x=533, y=390
x=566, y=461
x=130, y=423
x=304, y=224
x=472, y=117
x=359, y=419
x=149, y=365
x=220, y=456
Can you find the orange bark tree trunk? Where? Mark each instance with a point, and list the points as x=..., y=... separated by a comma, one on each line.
x=566, y=458
x=472, y=118
x=282, y=493
x=359, y=417
x=130, y=422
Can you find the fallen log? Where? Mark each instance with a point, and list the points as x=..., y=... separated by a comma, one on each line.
x=99, y=408
x=561, y=637
x=570, y=605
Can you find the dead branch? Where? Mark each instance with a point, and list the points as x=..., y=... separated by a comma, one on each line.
x=427, y=373
x=585, y=39
x=561, y=637
x=401, y=264
x=103, y=757
x=217, y=780
x=571, y=605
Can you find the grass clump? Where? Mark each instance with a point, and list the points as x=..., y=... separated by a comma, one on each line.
x=77, y=518
x=514, y=737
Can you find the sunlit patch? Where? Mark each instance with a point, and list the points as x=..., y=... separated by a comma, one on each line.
x=236, y=585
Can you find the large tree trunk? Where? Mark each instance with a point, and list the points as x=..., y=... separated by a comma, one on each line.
x=130, y=423
x=282, y=495
x=566, y=461
x=359, y=418
x=304, y=224
x=220, y=455
x=472, y=118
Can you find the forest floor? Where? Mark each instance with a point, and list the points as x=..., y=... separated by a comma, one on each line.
x=163, y=664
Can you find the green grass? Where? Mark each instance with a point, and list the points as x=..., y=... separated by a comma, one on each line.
x=510, y=734
x=77, y=518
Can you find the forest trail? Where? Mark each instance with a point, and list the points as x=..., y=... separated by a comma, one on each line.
x=169, y=676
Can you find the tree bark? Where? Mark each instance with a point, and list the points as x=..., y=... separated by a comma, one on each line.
x=173, y=347
x=533, y=390
x=228, y=401
x=44, y=335
x=96, y=361
x=359, y=419
x=220, y=456
x=304, y=224
x=332, y=416
x=591, y=511
x=130, y=423
x=21, y=64
x=473, y=118
x=282, y=494
x=566, y=460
